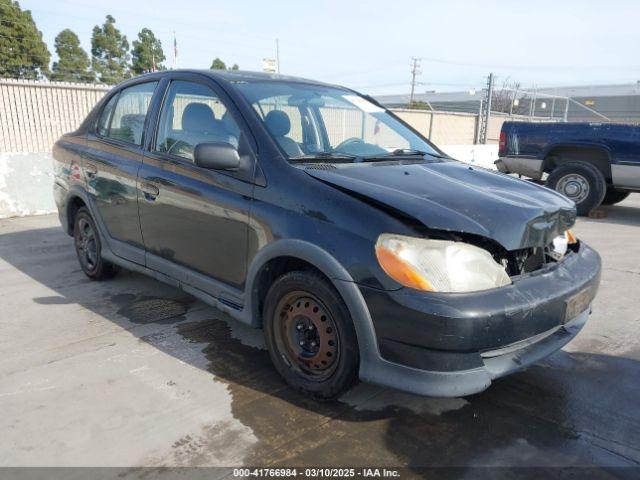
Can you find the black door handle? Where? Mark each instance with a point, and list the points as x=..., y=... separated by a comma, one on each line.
x=150, y=190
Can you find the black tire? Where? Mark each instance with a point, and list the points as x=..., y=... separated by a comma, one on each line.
x=329, y=367
x=614, y=196
x=581, y=182
x=88, y=247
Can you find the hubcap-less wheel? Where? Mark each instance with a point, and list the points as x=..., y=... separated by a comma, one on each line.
x=306, y=335
x=574, y=186
x=86, y=244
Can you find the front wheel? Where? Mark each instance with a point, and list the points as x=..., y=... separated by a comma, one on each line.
x=581, y=182
x=310, y=335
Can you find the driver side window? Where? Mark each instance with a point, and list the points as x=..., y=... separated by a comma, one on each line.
x=191, y=114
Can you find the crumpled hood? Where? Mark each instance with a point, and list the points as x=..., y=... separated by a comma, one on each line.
x=456, y=197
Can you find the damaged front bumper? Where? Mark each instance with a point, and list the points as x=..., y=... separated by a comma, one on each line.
x=456, y=344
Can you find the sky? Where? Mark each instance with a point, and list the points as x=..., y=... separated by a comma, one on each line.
x=368, y=45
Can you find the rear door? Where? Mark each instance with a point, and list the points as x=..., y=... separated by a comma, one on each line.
x=111, y=164
x=195, y=220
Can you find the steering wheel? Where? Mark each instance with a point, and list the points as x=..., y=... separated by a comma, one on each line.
x=347, y=142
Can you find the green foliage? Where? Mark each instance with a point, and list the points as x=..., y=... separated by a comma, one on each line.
x=218, y=64
x=110, y=53
x=146, y=52
x=73, y=62
x=418, y=105
x=23, y=53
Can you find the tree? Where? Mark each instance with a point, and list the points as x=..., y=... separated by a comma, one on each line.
x=109, y=49
x=23, y=53
x=73, y=62
x=147, y=54
x=218, y=64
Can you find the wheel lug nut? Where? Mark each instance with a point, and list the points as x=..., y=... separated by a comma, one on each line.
x=299, y=326
x=313, y=344
x=302, y=343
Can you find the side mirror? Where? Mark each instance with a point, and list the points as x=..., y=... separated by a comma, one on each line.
x=216, y=156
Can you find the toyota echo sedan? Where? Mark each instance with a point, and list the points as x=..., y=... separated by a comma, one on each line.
x=311, y=211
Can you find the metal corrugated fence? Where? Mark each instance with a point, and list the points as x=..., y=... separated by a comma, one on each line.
x=34, y=114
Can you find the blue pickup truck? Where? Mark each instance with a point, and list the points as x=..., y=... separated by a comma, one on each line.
x=591, y=163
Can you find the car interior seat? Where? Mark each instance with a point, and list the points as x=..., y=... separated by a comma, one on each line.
x=279, y=125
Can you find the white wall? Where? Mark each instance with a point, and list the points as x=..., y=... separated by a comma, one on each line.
x=26, y=184
x=26, y=180
x=480, y=155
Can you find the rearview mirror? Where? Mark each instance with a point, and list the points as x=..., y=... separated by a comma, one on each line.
x=216, y=156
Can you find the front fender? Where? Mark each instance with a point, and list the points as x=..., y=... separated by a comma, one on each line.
x=331, y=268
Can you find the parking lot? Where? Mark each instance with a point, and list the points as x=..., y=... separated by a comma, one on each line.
x=131, y=372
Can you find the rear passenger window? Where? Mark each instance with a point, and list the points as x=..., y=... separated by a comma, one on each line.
x=192, y=113
x=127, y=119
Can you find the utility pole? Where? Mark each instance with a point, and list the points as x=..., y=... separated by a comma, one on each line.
x=277, y=55
x=415, y=71
x=485, y=110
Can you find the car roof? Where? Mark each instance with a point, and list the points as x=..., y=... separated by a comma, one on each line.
x=232, y=76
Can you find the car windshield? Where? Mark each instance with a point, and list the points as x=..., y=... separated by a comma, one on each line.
x=311, y=121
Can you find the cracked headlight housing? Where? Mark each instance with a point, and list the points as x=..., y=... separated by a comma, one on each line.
x=439, y=265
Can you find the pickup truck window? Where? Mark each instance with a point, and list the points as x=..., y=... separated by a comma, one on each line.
x=129, y=114
x=191, y=114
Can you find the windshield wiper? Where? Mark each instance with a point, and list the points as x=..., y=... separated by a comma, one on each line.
x=402, y=152
x=322, y=156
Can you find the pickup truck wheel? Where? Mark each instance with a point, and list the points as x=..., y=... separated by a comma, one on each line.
x=581, y=182
x=89, y=249
x=614, y=196
x=310, y=335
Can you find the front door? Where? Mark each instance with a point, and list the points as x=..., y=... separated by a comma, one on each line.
x=194, y=220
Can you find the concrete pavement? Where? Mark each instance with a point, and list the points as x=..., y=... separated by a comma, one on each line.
x=131, y=372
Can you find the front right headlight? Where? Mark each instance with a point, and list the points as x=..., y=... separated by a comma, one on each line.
x=439, y=265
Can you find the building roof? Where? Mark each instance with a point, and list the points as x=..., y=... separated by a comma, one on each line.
x=474, y=96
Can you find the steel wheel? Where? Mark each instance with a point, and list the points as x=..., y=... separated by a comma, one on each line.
x=86, y=244
x=574, y=186
x=306, y=335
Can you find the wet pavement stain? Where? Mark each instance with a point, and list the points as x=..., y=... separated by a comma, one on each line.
x=521, y=420
x=151, y=309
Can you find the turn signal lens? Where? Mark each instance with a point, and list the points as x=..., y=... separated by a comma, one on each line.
x=571, y=238
x=401, y=271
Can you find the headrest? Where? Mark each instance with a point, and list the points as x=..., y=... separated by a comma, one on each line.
x=277, y=123
x=198, y=117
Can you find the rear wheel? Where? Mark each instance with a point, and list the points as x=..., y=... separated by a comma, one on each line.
x=581, y=182
x=614, y=196
x=89, y=249
x=310, y=335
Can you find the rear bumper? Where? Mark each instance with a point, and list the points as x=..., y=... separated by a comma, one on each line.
x=456, y=344
x=522, y=165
